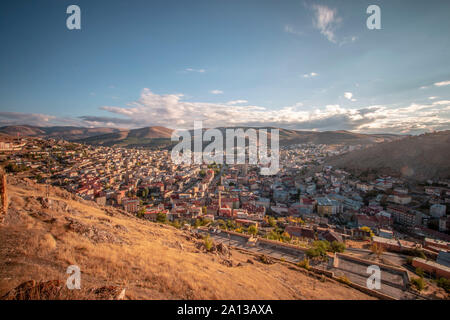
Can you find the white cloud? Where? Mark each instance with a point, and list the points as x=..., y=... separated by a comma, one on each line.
x=348, y=40
x=171, y=111
x=292, y=30
x=310, y=75
x=432, y=98
x=36, y=119
x=195, y=70
x=216, y=91
x=441, y=103
x=349, y=96
x=442, y=83
x=234, y=102
x=326, y=21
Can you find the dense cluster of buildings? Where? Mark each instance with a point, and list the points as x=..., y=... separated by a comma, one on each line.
x=147, y=183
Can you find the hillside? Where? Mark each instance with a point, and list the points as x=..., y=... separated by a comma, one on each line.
x=160, y=136
x=59, y=132
x=40, y=239
x=142, y=137
x=419, y=157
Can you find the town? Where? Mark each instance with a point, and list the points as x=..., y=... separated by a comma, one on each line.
x=306, y=204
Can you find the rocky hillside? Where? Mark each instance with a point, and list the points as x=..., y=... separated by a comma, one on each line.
x=40, y=238
x=418, y=157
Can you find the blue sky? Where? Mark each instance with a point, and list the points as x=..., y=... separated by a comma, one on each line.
x=308, y=65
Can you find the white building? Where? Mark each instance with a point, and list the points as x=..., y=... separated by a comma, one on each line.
x=438, y=210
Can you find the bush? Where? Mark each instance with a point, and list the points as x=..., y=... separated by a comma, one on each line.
x=304, y=264
x=176, y=224
x=208, y=243
x=252, y=230
x=444, y=283
x=344, y=279
x=419, y=283
x=420, y=272
x=161, y=217
x=319, y=249
x=337, y=246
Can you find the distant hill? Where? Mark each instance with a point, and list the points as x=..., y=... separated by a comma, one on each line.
x=143, y=137
x=58, y=132
x=160, y=136
x=420, y=157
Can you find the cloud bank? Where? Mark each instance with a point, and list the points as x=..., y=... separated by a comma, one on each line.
x=170, y=110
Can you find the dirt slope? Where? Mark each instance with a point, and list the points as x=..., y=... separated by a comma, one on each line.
x=40, y=239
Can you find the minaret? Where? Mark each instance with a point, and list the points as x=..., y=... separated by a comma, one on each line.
x=220, y=200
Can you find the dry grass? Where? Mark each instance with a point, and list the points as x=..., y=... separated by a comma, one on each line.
x=151, y=261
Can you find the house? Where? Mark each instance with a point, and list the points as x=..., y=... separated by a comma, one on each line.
x=438, y=210
x=331, y=236
x=434, y=268
x=300, y=232
x=402, y=215
x=326, y=206
x=443, y=258
x=130, y=204
x=388, y=234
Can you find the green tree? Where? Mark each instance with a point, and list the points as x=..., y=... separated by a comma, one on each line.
x=141, y=212
x=444, y=283
x=337, y=246
x=253, y=230
x=419, y=283
x=272, y=221
x=161, y=217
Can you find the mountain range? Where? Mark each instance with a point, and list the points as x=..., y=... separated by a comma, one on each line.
x=160, y=136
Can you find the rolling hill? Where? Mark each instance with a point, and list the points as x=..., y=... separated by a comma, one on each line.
x=59, y=132
x=422, y=157
x=160, y=136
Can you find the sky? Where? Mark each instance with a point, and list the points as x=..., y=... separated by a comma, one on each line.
x=306, y=65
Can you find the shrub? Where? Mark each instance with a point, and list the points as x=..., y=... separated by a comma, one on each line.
x=312, y=253
x=304, y=264
x=344, y=279
x=420, y=272
x=208, y=243
x=337, y=246
x=161, y=217
x=444, y=283
x=176, y=224
x=419, y=283
x=252, y=230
